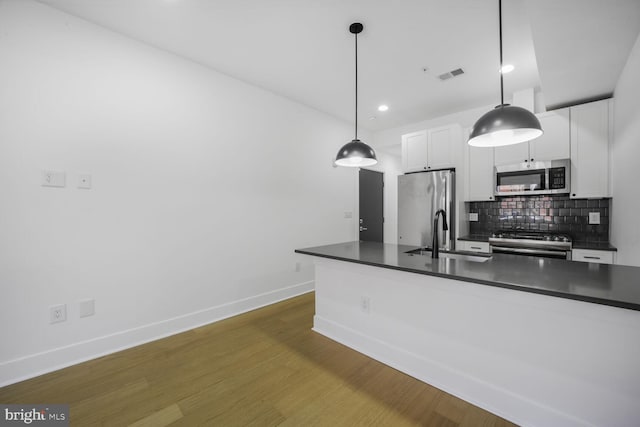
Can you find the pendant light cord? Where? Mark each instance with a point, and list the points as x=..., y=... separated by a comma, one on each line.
x=356, y=132
x=501, y=73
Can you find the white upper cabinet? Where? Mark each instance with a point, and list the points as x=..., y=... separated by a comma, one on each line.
x=510, y=154
x=442, y=143
x=554, y=144
x=590, y=150
x=478, y=181
x=480, y=169
x=414, y=151
x=430, y=149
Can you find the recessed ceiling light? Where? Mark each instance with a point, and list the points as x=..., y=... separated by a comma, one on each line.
x=383, y=107
x=507, y=68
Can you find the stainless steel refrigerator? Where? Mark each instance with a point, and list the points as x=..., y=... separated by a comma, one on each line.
x=420, y=196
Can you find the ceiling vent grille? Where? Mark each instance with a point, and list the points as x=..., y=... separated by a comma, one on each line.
x=450, y=74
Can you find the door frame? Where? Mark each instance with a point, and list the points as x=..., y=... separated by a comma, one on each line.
x=357, y=201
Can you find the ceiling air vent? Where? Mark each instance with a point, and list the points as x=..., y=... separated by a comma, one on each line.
x=451, y=74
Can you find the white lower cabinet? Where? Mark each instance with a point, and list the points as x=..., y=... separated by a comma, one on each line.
x=590, y=255
x=465, y=245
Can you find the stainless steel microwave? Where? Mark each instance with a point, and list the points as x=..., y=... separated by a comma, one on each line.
x=530, y=178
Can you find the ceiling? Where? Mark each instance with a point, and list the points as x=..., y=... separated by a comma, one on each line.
x=302, y=49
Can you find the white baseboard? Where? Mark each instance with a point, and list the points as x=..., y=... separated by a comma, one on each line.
x=487, y=396
x=33, y=365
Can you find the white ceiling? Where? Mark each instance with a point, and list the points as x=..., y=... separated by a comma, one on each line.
x=582, y=45
x=302, y=49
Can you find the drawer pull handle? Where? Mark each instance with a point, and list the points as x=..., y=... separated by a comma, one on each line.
x=476, y=247
x=591, y=257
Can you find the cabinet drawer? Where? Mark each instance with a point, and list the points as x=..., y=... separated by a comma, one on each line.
x=465, y=245
x=587, y=255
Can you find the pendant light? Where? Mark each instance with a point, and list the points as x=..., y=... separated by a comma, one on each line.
x=505, y=124
x=356, y=153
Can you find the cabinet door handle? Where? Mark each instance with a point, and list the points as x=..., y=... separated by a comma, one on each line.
x=591, y=257
x=363, y=228
x=532, y=160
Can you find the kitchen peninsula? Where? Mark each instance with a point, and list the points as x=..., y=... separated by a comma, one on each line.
x=538, y=341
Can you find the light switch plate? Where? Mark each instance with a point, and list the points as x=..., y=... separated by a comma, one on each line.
x=53, y=179
x=594, y=217
x=87, y=308
x=473, y=217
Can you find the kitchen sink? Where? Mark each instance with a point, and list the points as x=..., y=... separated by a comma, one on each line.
x=452, y=255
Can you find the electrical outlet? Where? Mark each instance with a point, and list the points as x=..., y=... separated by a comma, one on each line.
x=473, y=217
x=365, y=304
x=84, y=182
x=57, y=313
x=594, y=217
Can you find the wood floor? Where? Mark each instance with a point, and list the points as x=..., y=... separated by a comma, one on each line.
x=263, y=368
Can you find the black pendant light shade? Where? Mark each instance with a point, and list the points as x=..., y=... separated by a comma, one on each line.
x=506, y=124
x=356, y=153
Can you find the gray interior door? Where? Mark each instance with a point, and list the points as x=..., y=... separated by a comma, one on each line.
x=371, y=205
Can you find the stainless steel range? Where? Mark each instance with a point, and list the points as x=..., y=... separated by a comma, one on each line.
x=529, y=243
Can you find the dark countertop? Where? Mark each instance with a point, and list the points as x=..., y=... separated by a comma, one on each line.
x=598, y=246
x=613, y=285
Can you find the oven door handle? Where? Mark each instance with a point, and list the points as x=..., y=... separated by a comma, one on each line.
x=528, y=251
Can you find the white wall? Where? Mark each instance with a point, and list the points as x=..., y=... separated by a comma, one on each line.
x=203, y=186
x=625, y=234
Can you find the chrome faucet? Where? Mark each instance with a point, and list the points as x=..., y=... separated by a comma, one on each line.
x=435, y=245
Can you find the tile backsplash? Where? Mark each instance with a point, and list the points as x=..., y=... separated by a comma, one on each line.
x=552, y=213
